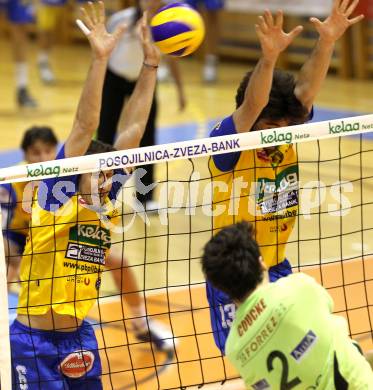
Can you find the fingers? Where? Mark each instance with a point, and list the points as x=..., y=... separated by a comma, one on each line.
x=343, y=6
x=336, y=4
x=279, y=19
x=356, y=20
x=118, y=32
x=316, y=22
x=351, y=8
x=92, y=12
x=268, y=18
x=101, y=12
x=262, y=25
x=259, y=32
x=295, y=32
x=144, y=27
x=87, y=18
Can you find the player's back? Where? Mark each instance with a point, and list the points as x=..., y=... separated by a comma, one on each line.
x=284, y=336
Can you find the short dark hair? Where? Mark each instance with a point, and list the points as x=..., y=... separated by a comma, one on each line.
x=99, y=147
x=283, y=104
x=231, y=262
x=38, y=133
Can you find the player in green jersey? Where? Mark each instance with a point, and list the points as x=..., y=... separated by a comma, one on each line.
x=284, y=335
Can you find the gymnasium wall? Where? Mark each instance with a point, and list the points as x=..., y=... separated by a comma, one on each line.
x=353, y=56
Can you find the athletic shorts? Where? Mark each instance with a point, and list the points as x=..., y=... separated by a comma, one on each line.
x=50, y=360
x=223, y=310
x=20, y=11
x=211, y=5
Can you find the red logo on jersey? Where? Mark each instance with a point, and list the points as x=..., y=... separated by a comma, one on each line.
x=77, y=364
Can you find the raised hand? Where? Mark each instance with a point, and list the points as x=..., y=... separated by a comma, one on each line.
x=152, y=55
x=102, y=43
x=335, y=25
x=273, y=39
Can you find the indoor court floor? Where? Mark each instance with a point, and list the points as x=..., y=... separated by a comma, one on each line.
x=167, y=263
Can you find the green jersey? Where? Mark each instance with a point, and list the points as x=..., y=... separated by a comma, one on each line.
x=286, y=337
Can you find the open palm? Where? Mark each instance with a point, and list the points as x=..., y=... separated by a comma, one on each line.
x=102, y=43
x=335, y=25
x=273, y=39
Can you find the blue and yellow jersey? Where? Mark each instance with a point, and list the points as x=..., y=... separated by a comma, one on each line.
x=66, y=249
x=259, y=186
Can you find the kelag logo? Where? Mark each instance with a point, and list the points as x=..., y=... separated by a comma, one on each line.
x=276, y=137
x=344, y=128
x=36, y=172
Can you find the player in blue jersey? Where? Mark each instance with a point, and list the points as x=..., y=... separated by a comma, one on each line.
x=269, y=98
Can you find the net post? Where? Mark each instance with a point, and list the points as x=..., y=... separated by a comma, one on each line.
x=5, y=359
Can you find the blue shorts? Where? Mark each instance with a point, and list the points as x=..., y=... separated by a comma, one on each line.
x=223, y=310
x=20, y=11
x=211, y=5
x=50, y=360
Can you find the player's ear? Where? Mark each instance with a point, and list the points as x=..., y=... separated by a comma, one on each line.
x=262, y=263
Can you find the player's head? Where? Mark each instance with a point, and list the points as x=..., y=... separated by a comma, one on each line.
x=231, y=261
x=101, y=183
x=39, y=144
x=283, y=108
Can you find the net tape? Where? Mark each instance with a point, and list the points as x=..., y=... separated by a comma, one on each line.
x=189, y=149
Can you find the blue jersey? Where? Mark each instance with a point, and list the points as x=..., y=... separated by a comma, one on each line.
x=223, y=310
x=20, y=11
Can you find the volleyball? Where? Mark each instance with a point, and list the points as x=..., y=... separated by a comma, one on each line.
x=177, y=29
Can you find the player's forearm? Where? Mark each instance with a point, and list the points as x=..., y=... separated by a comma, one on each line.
x=259, y=87
x=256, y=94
x=137, y=111
x=313, y=73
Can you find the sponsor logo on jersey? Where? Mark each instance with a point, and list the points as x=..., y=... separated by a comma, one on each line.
x=304, y=346
x=278, y=194
x=261, y=385
x=77, y=364
x=90, y=234
x=90, y=254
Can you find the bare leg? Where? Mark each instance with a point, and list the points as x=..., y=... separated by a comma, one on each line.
x=124, y=280
x=212, y=40
x=145, y=328
x=19, y=47
x=46, y=24
x=13, y=259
